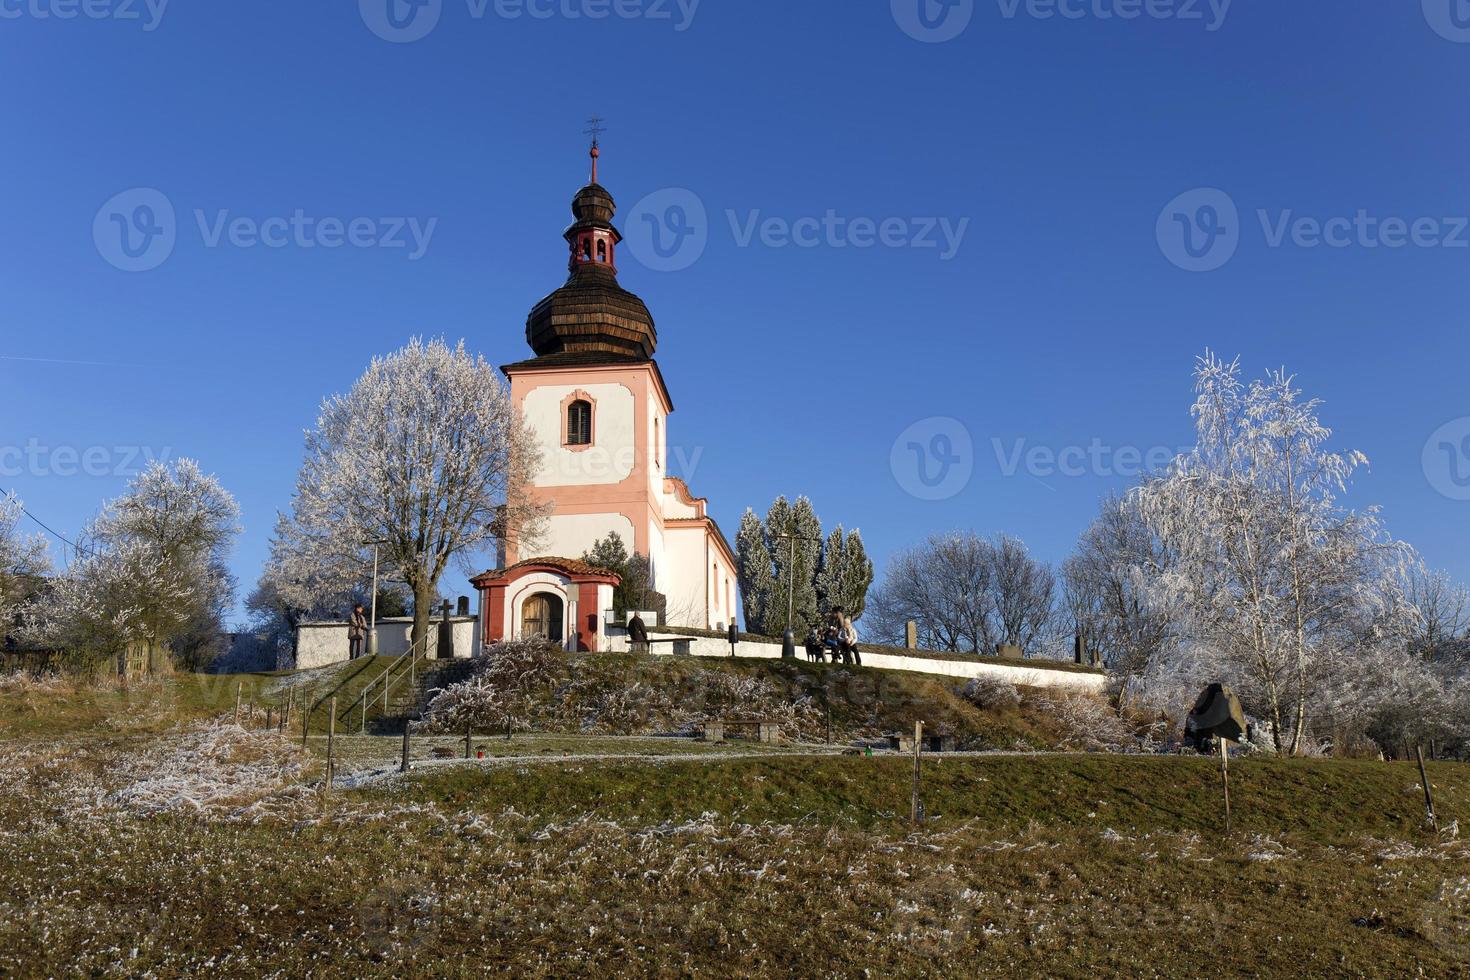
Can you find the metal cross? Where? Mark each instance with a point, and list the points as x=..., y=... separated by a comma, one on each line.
x=595, y=129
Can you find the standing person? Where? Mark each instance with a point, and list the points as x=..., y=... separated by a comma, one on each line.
x=849, y=639
x=637, y=634
x=357, y=627
x=833, y=635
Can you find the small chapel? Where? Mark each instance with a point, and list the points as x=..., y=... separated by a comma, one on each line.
x=597, y=404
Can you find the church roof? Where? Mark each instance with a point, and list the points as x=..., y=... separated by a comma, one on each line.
x=591, y=313
x=572, y=567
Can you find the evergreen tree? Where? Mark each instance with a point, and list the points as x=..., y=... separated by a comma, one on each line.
x=845, y=574
x=796, y=564
x=636, y=589
x=754, y=571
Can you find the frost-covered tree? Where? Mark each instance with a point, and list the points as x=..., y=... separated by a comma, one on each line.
x=845, y=574
x=1274, y=580
x=753, y=571
x=152, y=572
x=428, y=454
x=23, y=560
x=793, y=590
x=123, y=597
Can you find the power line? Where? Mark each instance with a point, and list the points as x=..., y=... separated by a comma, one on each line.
x=45, y=527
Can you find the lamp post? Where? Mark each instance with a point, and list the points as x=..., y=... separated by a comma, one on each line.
x=373, y=619
x=788, y=639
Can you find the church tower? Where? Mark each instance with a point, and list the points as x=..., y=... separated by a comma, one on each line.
x=598, y=406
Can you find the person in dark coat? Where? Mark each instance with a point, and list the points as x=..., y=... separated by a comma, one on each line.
x=357, y=627
x=638, y=633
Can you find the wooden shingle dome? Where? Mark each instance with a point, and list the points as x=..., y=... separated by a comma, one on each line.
x=592, y=314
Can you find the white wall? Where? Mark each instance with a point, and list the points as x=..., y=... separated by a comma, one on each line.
x=1016, y=673
x=612, y=456
x=571, y=535
x=324, y=644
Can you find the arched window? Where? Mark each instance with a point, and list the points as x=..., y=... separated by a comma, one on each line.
x=579, y=423
x=601, y=250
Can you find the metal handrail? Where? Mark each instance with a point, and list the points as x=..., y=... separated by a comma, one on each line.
x=389, y=679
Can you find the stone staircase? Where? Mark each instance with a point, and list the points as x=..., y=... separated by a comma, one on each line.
x=407, y=700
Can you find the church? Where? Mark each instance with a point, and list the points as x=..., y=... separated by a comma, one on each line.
x=598, y=406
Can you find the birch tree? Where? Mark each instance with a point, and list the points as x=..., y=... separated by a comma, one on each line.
x=426, y=454
x=1268, y=571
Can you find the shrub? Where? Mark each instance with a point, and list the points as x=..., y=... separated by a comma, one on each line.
x=992, y=693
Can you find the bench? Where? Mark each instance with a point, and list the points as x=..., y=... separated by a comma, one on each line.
x=751, y=729
x=682, y=647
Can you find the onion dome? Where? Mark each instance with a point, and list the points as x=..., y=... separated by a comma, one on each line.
x=592, y=314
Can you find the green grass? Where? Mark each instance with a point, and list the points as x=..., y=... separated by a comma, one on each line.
x=1044, y=865
x=1323, y=801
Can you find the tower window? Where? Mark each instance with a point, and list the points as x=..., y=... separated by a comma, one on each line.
x=601, y=250
x=579, y=423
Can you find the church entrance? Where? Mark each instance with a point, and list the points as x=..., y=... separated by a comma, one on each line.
x=542, y=615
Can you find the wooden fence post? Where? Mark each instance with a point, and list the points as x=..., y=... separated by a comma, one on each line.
x=237, y=702
x=469, y=733
x=1225, y=777
x=403, y=766
x=1428, y=797
x=305, y=719
x=270, y=718
x=331, y=738
x=918, y=750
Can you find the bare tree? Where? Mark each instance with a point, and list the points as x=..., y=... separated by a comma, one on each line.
x=1442, y=624
x=966, y=593
x=1106, y=592
x=426, y=454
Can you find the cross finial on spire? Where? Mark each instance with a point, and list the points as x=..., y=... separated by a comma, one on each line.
x=595, y=129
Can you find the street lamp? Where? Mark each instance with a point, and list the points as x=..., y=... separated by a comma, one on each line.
x=373, y=628
x=788, y=640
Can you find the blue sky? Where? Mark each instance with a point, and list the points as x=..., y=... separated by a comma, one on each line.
x=1066, y=156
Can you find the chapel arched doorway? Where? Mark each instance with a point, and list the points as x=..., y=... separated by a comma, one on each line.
x=542, y=615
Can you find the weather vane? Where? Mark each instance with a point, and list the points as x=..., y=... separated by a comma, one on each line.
x=595, y=128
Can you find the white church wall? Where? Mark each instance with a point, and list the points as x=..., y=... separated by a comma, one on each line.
x=571, y=535
x=610, y=459
x=688, y=578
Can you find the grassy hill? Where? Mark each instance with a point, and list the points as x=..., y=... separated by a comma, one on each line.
x=128, y=850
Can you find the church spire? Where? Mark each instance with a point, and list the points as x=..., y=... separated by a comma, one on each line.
x=595, y=130
x=592, y=238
